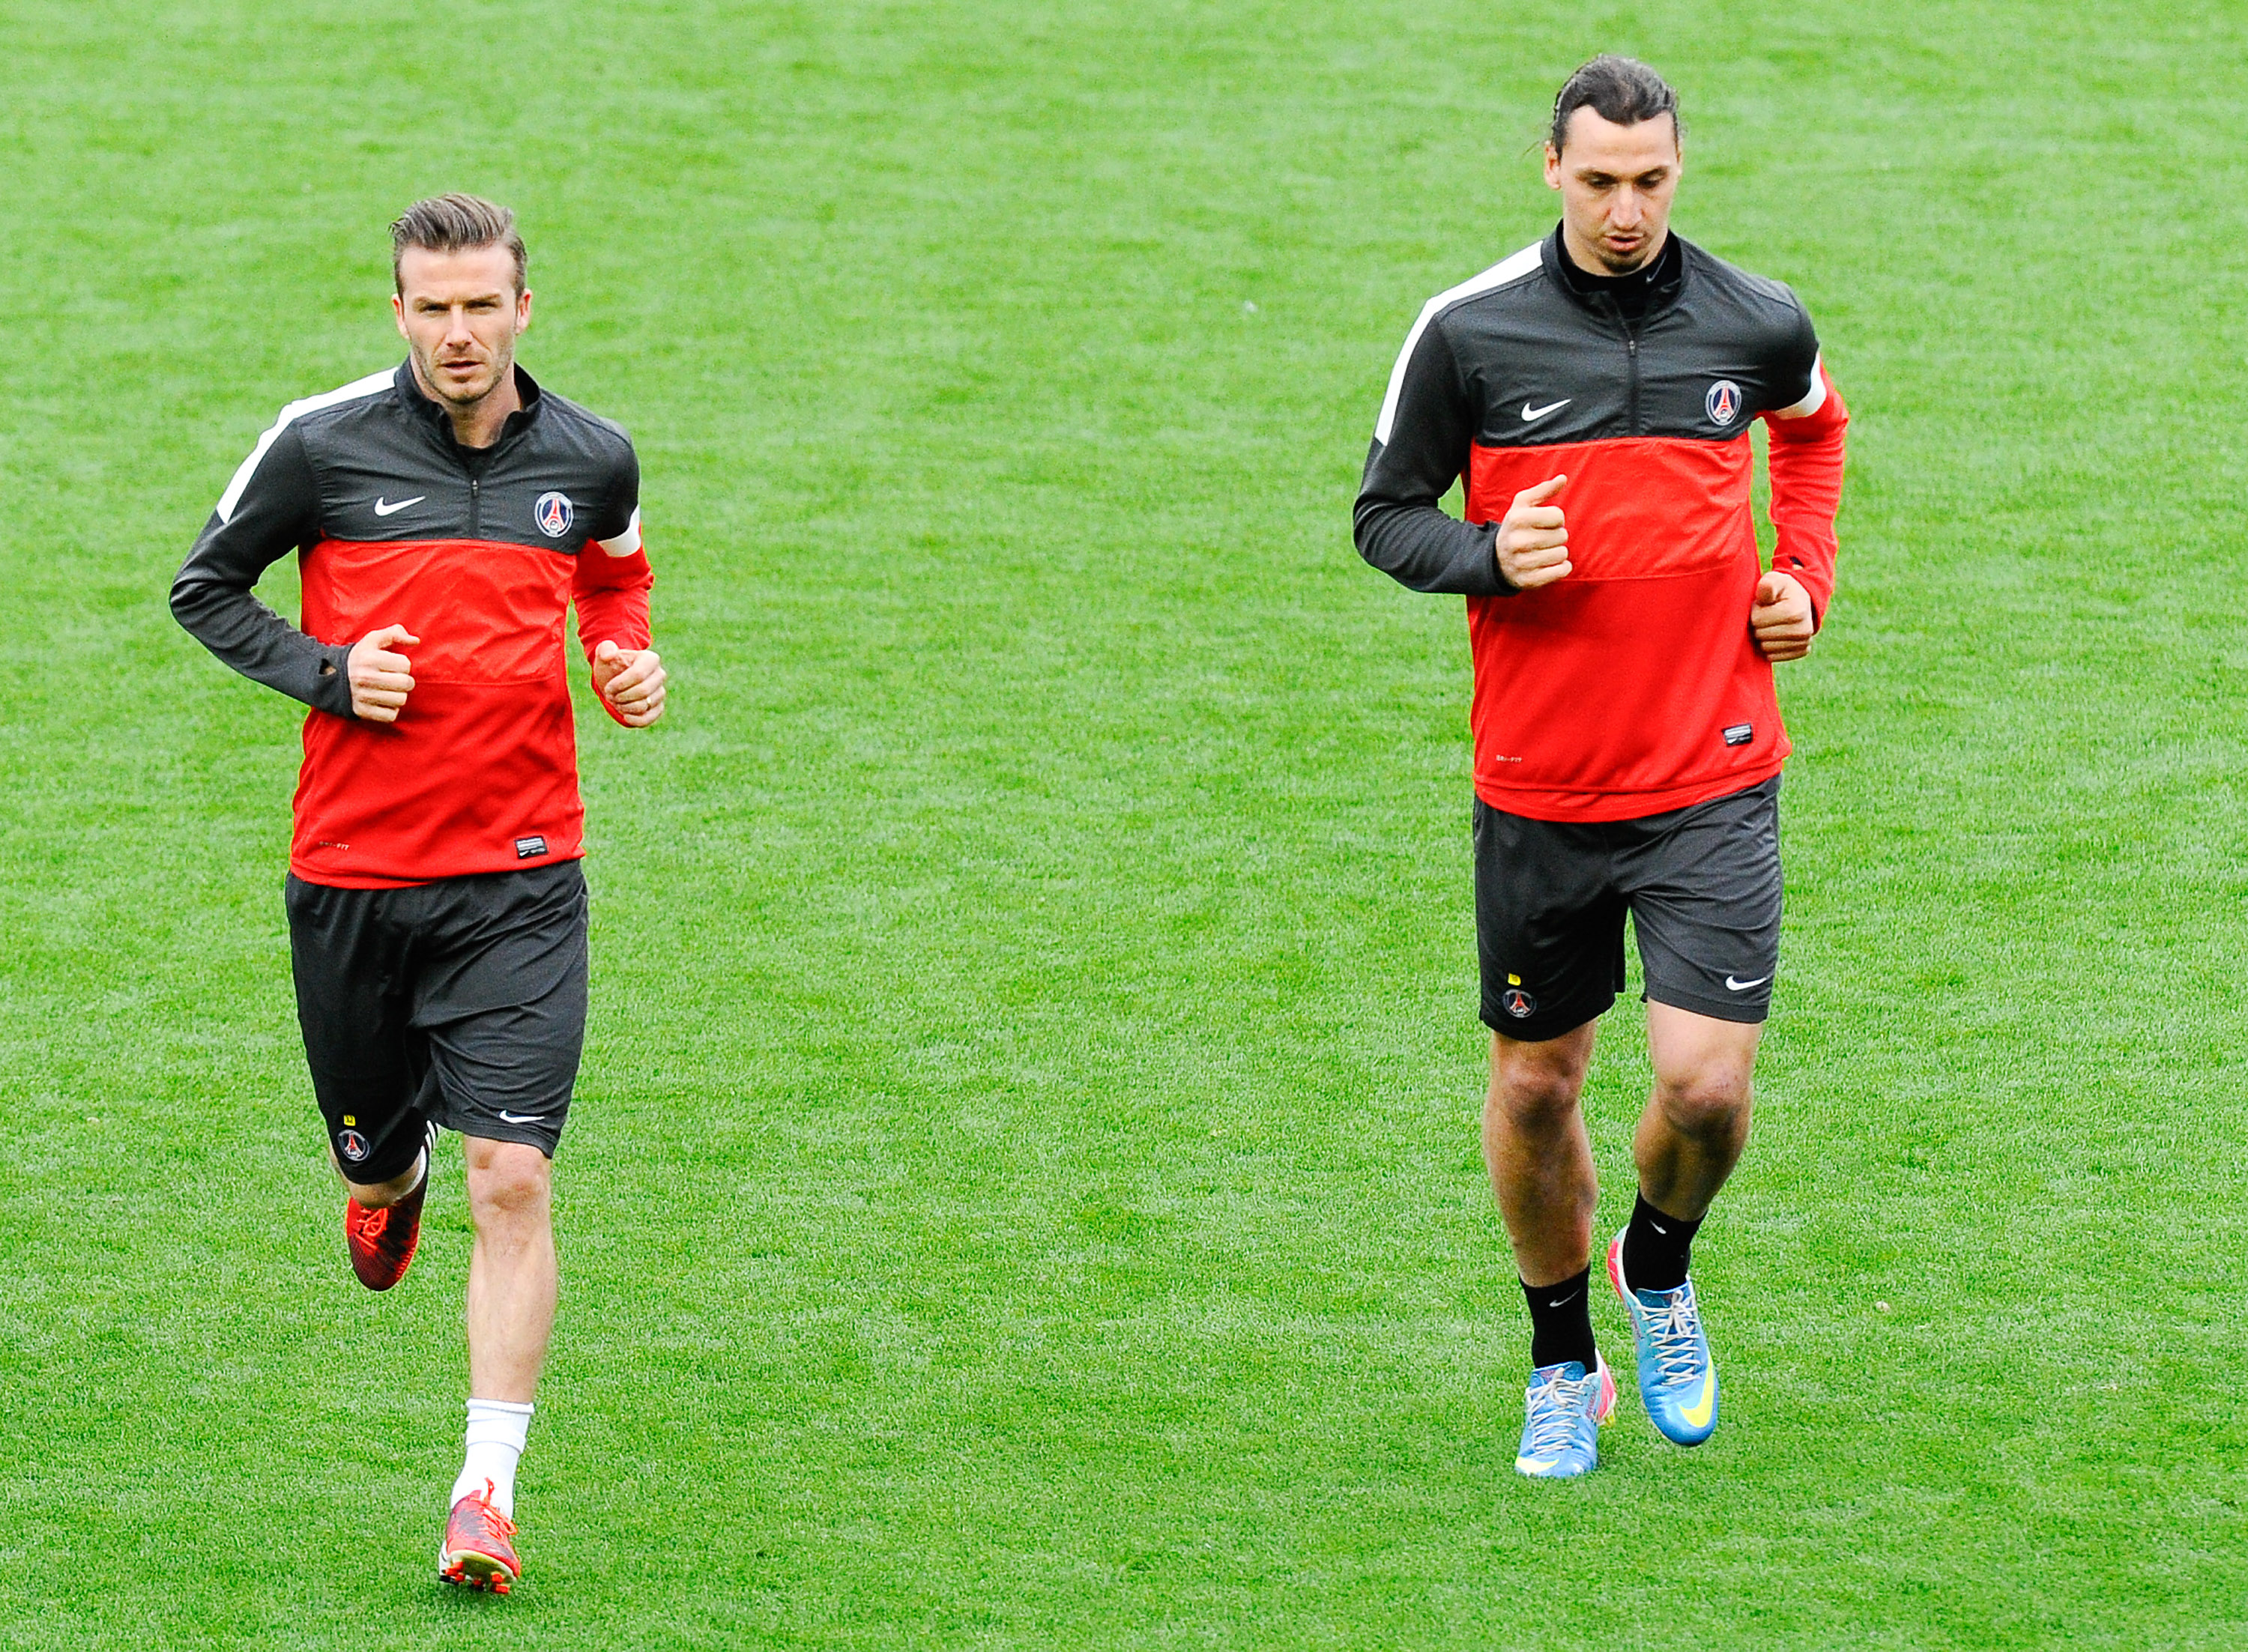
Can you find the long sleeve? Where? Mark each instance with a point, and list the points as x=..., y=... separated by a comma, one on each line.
x=1420, y=446
x=612, y=580
x=271, y=509
x=1806, y=460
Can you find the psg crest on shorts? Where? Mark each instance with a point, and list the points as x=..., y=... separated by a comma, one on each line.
x=553, y=514
x=353, y=1146
x=1724, y=401
x=1517, y=1002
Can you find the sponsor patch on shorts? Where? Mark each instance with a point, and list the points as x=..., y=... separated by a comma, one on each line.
x=531, y=848
x=1740, y=734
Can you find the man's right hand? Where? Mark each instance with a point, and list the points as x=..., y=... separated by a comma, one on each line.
x=1533, y=539
x=380, y=679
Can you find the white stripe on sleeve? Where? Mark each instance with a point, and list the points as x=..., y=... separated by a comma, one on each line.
x=1498, y=275
x=374, y=384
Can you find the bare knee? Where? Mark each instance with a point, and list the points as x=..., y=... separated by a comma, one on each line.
x=1535, y=1086
x=1704, y=1074
x=509, y=1185
x=1707, y=1104
x=1533, y=1102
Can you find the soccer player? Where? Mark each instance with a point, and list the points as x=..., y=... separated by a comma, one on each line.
x=1594, y=392
x=445, y=514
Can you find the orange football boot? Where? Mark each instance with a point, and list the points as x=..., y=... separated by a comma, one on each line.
x=382, y=1242
x=478, y=1551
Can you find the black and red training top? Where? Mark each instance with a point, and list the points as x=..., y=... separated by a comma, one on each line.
x=1633, y=686
x=479, y=553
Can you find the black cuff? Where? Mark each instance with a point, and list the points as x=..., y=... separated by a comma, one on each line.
x=1506, y=586
x=331, y=680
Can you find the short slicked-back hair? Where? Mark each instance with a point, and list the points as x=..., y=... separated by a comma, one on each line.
x=1623, y=89
x=455, y=223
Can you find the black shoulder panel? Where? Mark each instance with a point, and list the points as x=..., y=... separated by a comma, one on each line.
x=389, y=471
x=1543, y=366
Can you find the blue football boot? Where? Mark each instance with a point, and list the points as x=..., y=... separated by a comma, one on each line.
x=1562, y=1417
x=1677, y=1379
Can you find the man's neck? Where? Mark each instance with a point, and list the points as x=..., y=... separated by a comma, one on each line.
x=477, y=424
x=1634, y=294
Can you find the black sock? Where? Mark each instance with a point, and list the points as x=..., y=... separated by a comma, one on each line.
x=1656, y=1248
x=1561, y=1321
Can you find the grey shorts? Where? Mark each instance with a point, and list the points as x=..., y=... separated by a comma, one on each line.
x=1702, y=885
x=460, y=1003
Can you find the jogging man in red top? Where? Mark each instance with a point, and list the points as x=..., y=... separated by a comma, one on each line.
x=446, y=515
x=1596, y=392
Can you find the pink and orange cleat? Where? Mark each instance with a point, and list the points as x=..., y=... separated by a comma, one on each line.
x=382, y=1242
x=478, y=1551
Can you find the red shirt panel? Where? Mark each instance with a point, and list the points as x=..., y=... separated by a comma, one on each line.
x=1634, y=686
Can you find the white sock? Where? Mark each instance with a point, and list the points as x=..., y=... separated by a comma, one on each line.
x=496, y=1431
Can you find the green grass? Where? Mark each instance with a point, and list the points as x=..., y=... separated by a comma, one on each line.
x=1024, y=1190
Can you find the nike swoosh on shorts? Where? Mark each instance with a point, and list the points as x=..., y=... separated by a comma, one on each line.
x=505, y=1117
x=1732, y=985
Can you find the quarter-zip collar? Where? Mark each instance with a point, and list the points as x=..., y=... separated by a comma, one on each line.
x=432, y=412
x=1634, y=298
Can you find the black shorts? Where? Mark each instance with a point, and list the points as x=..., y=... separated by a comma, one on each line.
x=1702, y=885
x=460, y=1003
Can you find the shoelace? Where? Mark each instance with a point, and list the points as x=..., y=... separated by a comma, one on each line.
x=496, y=1523
x=368, y=1229
x=1555, y=1406
x=1674, y=1327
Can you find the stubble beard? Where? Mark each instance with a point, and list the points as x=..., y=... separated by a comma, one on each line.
x=1611, y=266
x=434, y=382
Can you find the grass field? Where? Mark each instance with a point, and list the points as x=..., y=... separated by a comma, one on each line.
x=1023, y=1188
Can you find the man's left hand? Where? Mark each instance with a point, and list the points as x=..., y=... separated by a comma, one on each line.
x=1781, y=618
x=631, y=680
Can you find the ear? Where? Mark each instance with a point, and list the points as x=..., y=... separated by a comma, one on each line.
x=522, y=311
x=398, y=315
x=1553, y=166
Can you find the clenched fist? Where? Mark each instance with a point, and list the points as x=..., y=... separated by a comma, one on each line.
x=379, y=679
x=1533, y=538
x=1781, y=617
x=631, y=680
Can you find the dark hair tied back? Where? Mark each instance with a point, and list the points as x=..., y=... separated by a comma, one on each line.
x=1623, y=89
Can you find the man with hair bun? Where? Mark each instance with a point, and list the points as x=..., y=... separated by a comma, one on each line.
x=1595, y=394
x=446, y=513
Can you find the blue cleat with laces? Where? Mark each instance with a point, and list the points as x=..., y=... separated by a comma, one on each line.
x=1562, y=1417
x=1677, y=1379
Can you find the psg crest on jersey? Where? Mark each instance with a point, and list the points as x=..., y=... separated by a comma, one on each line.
x=1724, y=401
x=553, y=514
